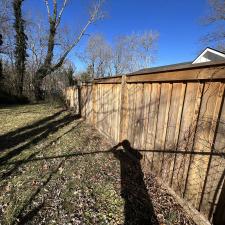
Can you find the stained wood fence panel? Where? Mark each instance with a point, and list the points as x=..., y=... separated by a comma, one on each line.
x=173, y=128
x=175, y=118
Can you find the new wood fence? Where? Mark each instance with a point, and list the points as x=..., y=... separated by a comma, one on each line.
x=176, y=118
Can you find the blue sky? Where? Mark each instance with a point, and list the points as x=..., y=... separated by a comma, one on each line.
x=177, y=21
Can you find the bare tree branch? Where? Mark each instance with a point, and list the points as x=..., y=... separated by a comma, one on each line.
x=95, y=15
x=47, y=66
x=48, y=10
x=61, y=12
x=54, y=11
x=217, y=11
x=216, y=17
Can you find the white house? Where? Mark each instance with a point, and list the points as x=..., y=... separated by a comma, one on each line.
x=208, y=55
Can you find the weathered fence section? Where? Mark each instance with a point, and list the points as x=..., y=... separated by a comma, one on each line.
x=72, y=98
x=176, y=117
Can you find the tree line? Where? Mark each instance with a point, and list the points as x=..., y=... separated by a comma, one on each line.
x=34, y=51
x=126, y=54
x=27, y=48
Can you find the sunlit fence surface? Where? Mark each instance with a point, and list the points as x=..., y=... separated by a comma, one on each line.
x=176, y=118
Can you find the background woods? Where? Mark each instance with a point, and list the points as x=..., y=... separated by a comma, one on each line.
x=34, y=50
x=127, y=54
x=35, y=47
x=44, y=50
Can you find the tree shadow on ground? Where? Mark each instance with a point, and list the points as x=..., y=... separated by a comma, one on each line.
x=20, y=135
x=40, y=131
x=138, y=209
x=34, y=136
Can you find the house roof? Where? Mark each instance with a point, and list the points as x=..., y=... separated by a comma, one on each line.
x=174, y=67
x=160, y=68
x=184, y=65
x=210, y=54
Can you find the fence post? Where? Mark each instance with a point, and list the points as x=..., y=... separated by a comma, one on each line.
x=123, y=110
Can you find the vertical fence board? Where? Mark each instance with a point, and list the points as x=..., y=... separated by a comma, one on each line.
x=129, y=107
x=118, y=96
x=94, y=104
x=147, y=101
x=138, y=119
x=162, y=120
x=103, y=101
x=152, y=120
x=124, y=110
x=114, y=111
x=174, y=120
x=97, y=103
x=110, y=110
x=132, y=89
x=186, y=135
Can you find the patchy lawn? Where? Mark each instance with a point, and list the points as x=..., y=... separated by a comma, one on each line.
x=56, y=169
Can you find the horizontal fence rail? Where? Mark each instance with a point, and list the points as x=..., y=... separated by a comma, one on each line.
x=176, y=118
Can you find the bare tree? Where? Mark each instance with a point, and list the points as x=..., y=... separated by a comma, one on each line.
x=133, y=52
x=5, y=16
x=127, y=54
x=9, y=83
x=97, y=56
x=122, y=58
x=6, y=28
x=54, y=19
x=216, y=16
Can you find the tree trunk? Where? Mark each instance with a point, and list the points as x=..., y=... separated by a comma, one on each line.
x=38, y=94
x=20, y=83
x=20, y=45
x=1, y=73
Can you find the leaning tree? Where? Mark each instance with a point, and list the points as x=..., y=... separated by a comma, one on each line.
x=54, y=18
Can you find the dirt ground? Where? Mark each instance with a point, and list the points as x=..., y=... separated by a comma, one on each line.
x=56, y=169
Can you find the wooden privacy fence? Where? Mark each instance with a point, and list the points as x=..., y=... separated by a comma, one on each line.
x=176, y=118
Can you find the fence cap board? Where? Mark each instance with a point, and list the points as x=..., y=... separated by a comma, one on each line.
x=109, y=80
x=194, y=74
x=180, y=66
x=179, y=72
